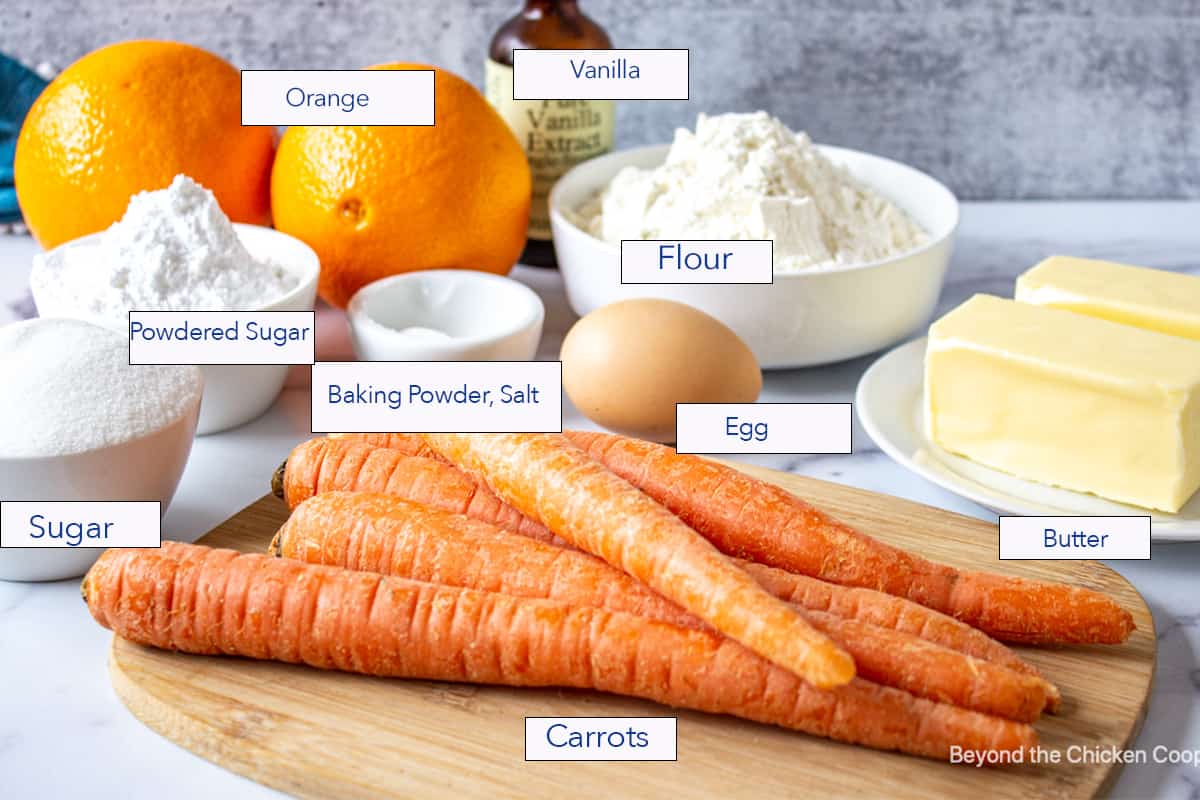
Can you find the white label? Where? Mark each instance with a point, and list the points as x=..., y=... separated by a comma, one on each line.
x=337, y=97
x=80, y=525
x=1072, y=538
x=600, y=739
x=222, y=337
x=600, y=74
x=763, y=428
x=437, y=397
x=697, y=261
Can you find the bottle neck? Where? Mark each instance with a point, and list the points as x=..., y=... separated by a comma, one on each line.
x=537, y=9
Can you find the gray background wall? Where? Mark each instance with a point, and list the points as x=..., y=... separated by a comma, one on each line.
x=1003, y=99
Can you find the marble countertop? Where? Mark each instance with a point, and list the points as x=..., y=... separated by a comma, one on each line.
x=63, y=733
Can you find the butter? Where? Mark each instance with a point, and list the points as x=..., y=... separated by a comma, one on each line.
x=1067, y=400
x=1167, y=302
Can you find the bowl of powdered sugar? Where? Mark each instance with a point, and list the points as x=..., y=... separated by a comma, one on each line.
x=81, y=423
x=175, y=250
x=860, y=243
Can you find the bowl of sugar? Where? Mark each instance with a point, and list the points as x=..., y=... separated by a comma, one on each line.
x=175, y=250
x=81, y=424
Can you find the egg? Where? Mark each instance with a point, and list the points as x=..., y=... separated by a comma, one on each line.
x=626, y=365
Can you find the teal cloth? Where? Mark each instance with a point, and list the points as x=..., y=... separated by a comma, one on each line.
x=19, y=87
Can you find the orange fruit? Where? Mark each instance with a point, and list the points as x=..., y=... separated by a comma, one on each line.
x=376, y=201
x=128, y=118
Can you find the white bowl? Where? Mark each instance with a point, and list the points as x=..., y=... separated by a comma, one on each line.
x=146, y=468
x=459, y=315
x=802, y=319
x=233, y=394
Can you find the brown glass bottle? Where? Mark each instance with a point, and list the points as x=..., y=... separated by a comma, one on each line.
x=548, y=25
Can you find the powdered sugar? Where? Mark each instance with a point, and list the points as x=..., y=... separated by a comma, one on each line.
x=747, y=176
x=174, y=250
x=66, y=386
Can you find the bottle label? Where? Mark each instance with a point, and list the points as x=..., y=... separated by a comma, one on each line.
x=556, y=135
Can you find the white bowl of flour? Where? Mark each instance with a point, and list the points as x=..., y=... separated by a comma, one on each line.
x=861, y=243
x=174, y=250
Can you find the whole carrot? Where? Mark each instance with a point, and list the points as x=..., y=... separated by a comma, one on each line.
x=197, y=600
x=756, y=520
x=868, y=605
x=344, y=464
x=377, y=533
x=552, y=481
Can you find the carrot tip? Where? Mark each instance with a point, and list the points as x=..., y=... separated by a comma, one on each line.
x=839, y=672
x=277, y=480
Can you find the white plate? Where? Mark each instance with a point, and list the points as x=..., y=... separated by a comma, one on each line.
x=889, y=401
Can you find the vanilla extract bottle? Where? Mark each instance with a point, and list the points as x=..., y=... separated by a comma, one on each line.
x=556, y=134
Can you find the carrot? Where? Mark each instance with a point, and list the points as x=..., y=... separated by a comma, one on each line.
x=762, y=522
x=868, y=605
x=328, y=464
x=377, y=533
x=894, y=613
x=198, y=600
x=886, y=611
x=547, y=478
x=411, y=444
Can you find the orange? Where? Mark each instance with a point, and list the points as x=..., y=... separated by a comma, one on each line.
x=376, y=201
x=128, y=118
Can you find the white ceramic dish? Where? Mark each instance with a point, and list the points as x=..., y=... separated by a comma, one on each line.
x=234, y=394
x=889, y=402
x=458, y=315
x=801, y=319
x=146, y=468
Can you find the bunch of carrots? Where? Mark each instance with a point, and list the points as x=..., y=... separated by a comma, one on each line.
x=589, y=560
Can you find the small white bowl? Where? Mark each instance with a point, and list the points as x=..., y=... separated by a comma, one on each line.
x=233, y=394
x=801, y=319
x=146, y=468
x=445, y=315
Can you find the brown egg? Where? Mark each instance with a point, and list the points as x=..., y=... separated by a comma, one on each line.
x=626, y=365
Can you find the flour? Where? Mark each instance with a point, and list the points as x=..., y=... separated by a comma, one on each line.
x=746, y=176
x=66, y=386
x=174, y=250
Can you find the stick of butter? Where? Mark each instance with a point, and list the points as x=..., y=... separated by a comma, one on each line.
x=1167, y=302
x=1068, y=400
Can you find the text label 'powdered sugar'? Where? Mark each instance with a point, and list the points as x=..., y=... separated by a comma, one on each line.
x=437, y=397
x=600, y=74
x=764, y=428
x=337, y=97
x=80, y=524
x=696, y=261
x=222, y=337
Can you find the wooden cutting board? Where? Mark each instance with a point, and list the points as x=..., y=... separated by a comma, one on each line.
x=321, y=734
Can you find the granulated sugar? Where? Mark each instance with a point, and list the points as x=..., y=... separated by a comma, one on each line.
x=174, y=250
x=66, y=386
